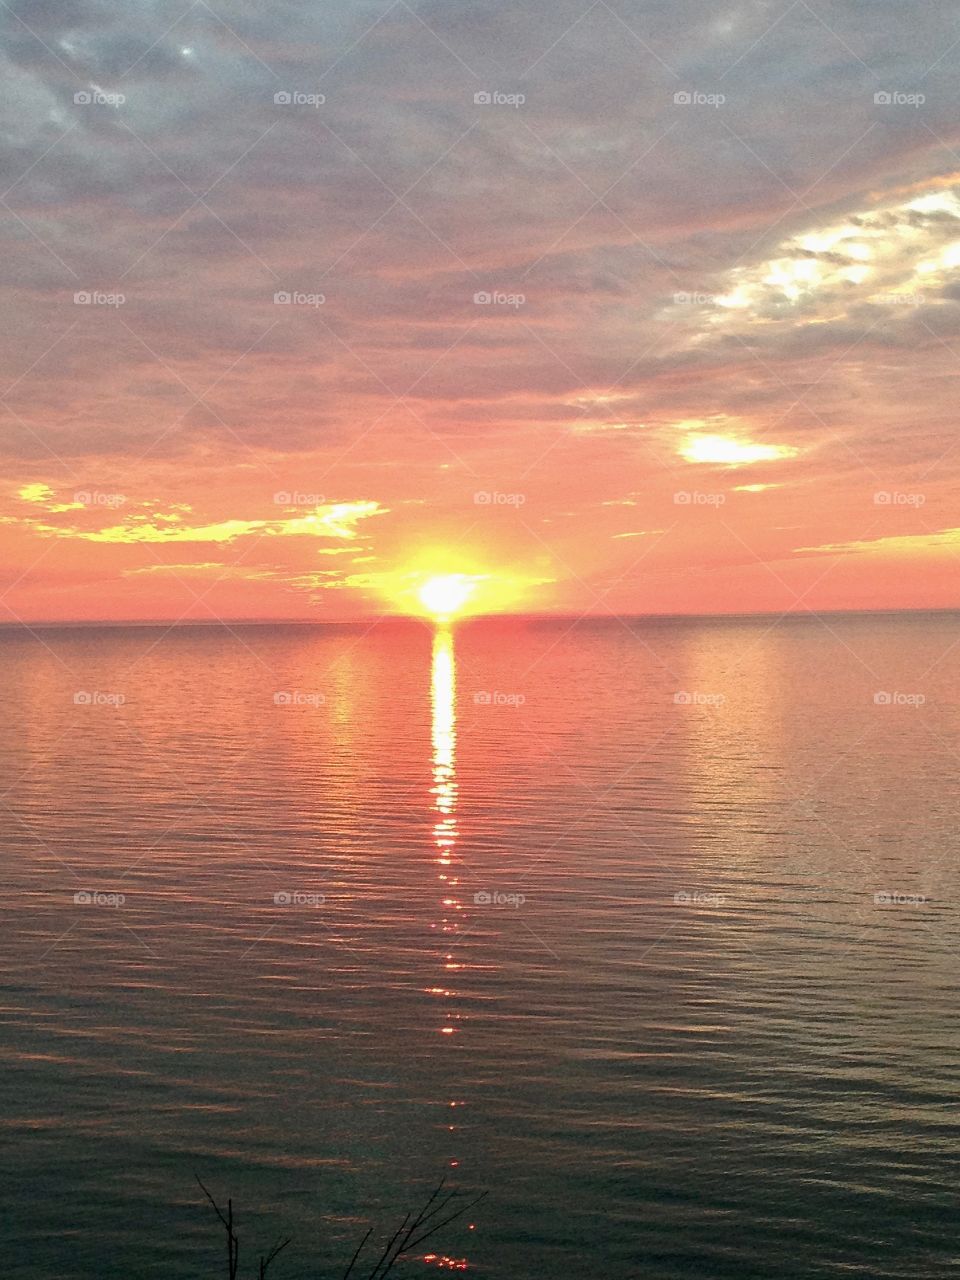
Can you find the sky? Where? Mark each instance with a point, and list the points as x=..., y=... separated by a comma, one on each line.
x=624, y=307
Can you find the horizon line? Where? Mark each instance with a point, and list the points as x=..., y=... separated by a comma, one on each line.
x=377, y=619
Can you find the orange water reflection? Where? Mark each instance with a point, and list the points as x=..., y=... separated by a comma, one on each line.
x=443, y=695
x=443, y=692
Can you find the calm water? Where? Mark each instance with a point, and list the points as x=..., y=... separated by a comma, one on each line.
x=586, y=916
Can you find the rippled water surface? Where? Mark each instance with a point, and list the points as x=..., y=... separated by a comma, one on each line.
x=650, y=929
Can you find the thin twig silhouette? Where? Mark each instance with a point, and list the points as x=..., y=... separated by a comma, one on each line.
x=408, y=1236
x=233, y=1243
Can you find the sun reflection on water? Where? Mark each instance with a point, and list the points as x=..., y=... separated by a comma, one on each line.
x=443, y=694
x=443, y=697
x=443, y=690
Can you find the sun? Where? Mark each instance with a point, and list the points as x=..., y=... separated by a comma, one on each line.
x=446, y=595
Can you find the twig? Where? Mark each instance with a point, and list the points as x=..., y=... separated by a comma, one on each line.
x=409, y=1235
x=384, y=1255
x=460, y=1212
x=265, y=1261
x=346, y=1274
x=233, y=1244
x=406, y=1238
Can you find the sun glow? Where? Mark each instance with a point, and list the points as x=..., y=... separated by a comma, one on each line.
x=446, y=586
x=445, y=596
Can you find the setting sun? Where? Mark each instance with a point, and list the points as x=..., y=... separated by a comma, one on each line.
x=445, y=596
x=478, y=559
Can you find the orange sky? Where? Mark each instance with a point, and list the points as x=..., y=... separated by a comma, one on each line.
x=651, y=311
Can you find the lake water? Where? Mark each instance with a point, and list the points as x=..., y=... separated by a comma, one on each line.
x=649, y=929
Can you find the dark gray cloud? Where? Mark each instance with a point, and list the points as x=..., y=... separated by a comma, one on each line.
x=598, y=198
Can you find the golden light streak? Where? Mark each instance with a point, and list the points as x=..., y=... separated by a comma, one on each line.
x=332, y=520
x=728, y=451
x=443, y=696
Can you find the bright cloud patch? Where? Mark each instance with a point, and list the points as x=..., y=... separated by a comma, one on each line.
x=35, y=493
x=896, y=544
x=900, y=253
x=333, y=520
x=42, y=495
x=730, y=452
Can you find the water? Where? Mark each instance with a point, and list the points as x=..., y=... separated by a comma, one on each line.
x=681, y=1038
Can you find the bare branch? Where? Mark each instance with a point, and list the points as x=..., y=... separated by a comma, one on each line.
x=411, y=1239
x=233, y=1244
x=386, y=1252
x=346, y=1274
x=216, y=1207
x=265, y=1262
x=453, y=1217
